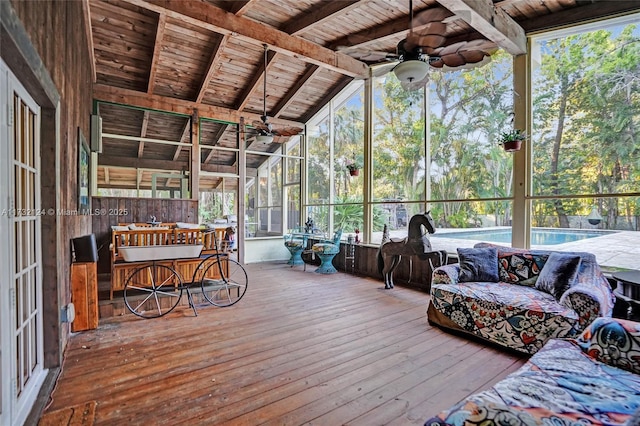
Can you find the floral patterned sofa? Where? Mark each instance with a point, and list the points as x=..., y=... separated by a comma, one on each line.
x=511, y=308
x=591, y=380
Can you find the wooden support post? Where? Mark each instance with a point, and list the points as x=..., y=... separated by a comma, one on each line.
x=195, y=156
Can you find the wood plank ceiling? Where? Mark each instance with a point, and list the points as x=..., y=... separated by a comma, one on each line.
x=205, y=59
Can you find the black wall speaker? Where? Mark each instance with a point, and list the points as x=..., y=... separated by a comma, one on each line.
x=96, y=133
x=85, y=248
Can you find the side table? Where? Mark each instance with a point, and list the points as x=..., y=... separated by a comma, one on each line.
x=628, y=289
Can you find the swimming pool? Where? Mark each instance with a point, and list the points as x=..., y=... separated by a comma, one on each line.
x=542, y=237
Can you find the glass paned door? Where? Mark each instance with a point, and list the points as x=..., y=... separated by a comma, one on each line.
x=22, y=340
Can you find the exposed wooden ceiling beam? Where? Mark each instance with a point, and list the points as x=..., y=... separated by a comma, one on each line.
x=212, y=68
x=318, y=15
x=134, y=98
x=86, y=11
x=311, y=72
x=580, y=15
x=365, y=38
x=157, y=48
x=143, y=133
x=185, y=135
x=216, y=138
x=496, y=25
x=256, y=80
x=142, y=163
x=239, y=7
x=218, y=20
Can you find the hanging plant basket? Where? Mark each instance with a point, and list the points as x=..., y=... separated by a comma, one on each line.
x=512, y=146
x=354, y=172
x=512, y=140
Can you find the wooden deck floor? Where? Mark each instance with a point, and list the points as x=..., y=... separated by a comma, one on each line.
x=300, y=348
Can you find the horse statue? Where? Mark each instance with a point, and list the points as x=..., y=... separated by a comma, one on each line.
x=416, y=244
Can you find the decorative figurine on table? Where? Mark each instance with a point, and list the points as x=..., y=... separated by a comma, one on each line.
x=308, y=226
x=357, y=231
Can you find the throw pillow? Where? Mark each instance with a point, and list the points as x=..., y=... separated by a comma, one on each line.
x=558, y=274
x=478, y=264
x=520, y=268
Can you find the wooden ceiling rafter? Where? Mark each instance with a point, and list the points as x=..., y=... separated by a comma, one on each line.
x=86, y=11
x=185, y=134
x=239, y=7
x=311, y=73
x=490, y=21
x=319, y=15
x=142, y=100
x=256, y=80
x=212, y=67
x=157, y=49
x=221, y=131
x=143, y=133
x=151, y=164
x=208, y=16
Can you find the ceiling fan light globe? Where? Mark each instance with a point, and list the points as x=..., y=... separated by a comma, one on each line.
x=409, y=71
x=265, y=139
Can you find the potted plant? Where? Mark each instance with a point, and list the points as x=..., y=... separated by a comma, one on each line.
x=512, y=141
x=353, y=167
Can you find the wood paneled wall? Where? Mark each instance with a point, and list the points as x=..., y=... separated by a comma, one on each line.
x=109, y=211
x=45, y=44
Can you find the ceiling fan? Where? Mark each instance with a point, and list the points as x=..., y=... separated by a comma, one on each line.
x=265, y=130
x=425, y=48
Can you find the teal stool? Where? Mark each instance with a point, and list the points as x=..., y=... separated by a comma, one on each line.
x=295, y=247
x=326, y=252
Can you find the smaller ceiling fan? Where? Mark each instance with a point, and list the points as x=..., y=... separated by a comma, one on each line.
x=426, y=48
x=266, y=132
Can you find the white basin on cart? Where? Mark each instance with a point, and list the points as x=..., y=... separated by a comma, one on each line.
x=168, y=252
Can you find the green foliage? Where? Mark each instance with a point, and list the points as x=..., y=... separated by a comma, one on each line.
x=586, y=112
x=512, y=136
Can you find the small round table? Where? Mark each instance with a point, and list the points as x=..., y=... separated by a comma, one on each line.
x=628, y=289
x=295, y=247
x=326, y=252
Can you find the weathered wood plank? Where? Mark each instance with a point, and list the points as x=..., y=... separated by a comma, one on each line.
x=299, y=347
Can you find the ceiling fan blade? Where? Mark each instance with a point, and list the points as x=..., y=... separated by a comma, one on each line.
x=450, y=49
x=472, y=56
x=453, y=60
x=260, y=125
x=430, y=35
x=287, y=131
x=368, y=55
x=380, y=70
x=433, y=14
x=438, y=63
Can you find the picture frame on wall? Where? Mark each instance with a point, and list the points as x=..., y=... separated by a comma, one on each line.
x=84, y=173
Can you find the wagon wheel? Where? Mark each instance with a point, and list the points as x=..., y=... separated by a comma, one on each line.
x=152, y=291
x=223, y=281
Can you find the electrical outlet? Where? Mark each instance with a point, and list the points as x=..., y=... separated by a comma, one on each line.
x=68, y=313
